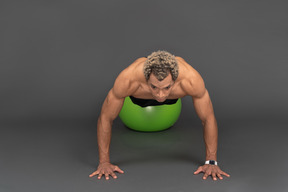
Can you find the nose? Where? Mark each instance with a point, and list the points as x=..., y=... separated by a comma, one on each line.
x=160, y=94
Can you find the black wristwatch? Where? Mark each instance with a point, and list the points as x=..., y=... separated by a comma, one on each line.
x=211, y=162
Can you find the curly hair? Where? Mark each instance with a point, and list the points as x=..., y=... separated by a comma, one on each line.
x=161, y=63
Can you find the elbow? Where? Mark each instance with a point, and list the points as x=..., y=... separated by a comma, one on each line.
x=208, y=119
x=104, y=121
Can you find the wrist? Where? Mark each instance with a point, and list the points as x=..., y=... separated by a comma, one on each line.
x=211, y=162
x=103, y=158
x=104, y=161
x=101, y=163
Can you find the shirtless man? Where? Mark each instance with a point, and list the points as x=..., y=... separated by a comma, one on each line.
x=160, y=76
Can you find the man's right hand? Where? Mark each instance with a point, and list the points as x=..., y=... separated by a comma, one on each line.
x=106, y=169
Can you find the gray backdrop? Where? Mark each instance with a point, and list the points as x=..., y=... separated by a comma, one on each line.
x=59, y=59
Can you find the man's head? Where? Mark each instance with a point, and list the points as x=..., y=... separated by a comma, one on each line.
x=161, y=71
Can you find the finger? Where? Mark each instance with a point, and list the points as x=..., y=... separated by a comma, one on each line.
x=100, y=175
x=214, y=176
x=106, y=176
x=116, y=168
x=114, y=175
x=93, y=174
x=219, y=175
x=198, y=170
x=223, y=173
x=205, y=176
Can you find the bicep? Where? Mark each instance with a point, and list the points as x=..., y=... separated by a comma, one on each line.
x=114, y=101
x=203, y=106
x=123, y=87
x=112, y=106
x=195, y=87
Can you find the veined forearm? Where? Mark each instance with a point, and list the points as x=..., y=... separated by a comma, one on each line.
x=104, y=139
x=211, y=138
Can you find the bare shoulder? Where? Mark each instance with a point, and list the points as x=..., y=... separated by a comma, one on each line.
x=192, y=82
x=126, y=83
x=179, y=58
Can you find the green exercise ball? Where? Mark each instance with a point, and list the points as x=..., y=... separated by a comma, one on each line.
x=150, y=118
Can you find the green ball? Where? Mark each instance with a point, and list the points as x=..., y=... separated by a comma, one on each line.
x=151, y=118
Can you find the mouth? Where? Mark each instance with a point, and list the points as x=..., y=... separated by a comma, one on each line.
x=161, y=100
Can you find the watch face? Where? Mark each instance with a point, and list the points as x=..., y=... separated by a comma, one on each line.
x=211, y=162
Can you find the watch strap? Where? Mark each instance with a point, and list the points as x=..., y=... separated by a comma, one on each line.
x=211, y=162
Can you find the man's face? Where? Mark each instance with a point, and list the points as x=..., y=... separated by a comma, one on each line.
x=160, y=89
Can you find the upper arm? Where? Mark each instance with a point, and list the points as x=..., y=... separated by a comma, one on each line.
x=203, y=106
x=195, y=87
x=113, y=102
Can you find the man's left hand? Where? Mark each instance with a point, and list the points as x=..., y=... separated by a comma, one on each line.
x=212, y=170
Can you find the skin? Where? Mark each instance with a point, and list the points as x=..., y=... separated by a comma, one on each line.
x=131, y=81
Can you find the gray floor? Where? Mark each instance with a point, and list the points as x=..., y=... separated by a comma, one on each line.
x=60, y=58
x=59, y=156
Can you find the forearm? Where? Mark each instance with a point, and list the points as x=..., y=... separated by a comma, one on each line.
x=211, y=137
x=104, y=138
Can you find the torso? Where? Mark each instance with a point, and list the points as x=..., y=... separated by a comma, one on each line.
x=143, y=90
